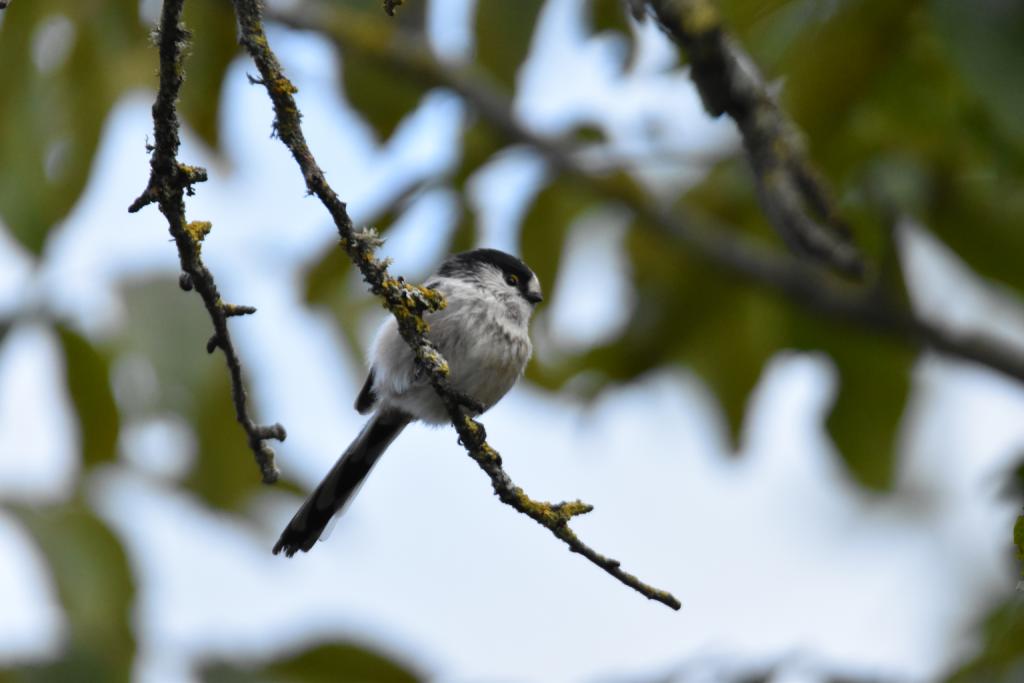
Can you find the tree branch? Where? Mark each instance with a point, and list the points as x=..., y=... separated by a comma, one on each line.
x=408, y=303
x=793, y=195
x=867, y=306
x=168, y=182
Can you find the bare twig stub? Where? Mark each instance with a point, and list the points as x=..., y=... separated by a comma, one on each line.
x=169, y=181
x=793, y=195
x=865, y=306
x=408, y=303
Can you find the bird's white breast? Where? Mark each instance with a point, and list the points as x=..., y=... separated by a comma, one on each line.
x=484, y=338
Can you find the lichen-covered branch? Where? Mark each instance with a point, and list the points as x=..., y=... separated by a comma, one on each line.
x=868, y=307
x=408, y=303
x=793, y=195
x=169, y=181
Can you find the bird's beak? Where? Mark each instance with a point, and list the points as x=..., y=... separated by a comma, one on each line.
x=534, y=297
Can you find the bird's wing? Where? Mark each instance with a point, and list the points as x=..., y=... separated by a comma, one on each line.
x=367, y=398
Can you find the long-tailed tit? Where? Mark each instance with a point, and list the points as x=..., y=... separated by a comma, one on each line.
x=483, y=333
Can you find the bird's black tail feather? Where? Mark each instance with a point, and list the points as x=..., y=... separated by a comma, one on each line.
x=340, y=483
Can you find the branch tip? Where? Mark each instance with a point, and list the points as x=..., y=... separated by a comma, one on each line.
x=232, y=310
x=147, y=197
x=275, y=431
x=573, y=509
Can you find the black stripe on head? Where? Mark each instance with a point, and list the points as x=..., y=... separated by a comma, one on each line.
x=468, y=262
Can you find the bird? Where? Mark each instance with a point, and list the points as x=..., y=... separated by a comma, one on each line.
x=483, y=333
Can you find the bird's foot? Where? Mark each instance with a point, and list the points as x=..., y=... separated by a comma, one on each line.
x=474, y=406
x=479, y=436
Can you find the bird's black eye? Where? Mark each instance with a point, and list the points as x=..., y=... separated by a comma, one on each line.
x=511, y=280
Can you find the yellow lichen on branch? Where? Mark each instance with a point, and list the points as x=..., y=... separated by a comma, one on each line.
x=198, y=230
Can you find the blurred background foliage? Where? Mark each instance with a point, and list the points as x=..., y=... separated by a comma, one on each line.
x=914, y=104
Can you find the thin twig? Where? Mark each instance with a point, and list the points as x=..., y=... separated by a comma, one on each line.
x=603, y=160
x=168, y=182
x=866, y=306
x=408, y=303
x=793, y=195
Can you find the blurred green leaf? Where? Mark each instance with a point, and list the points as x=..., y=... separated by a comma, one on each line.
x=611, y=18
x=727, y=195
x=328, y=286
x=214, y=45
x=973, y=212
x=870, y=103
x=1002, y=657
x=768, y=28
x=852, y=52
x=224, y=474
x=410, y=17
x=463, y=236
x=874, y=382
x=382, y=97
x=729, y=350
x=52, y=109
x=965, y=176
x=97, y=590
x=503, y=35
x=332, y=663
x=326, y=275
x=546, y=225
x=551, y=214
x=608, y=15
x=924, y=86
x=690, y=314
x=87, y=372
x=684, y=314
x=168, y=331
x=1018, y=540
x=984, y=40
x=479, y=144
x=723, y=329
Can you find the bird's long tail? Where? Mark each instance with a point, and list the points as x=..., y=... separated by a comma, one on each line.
x=340, y=483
